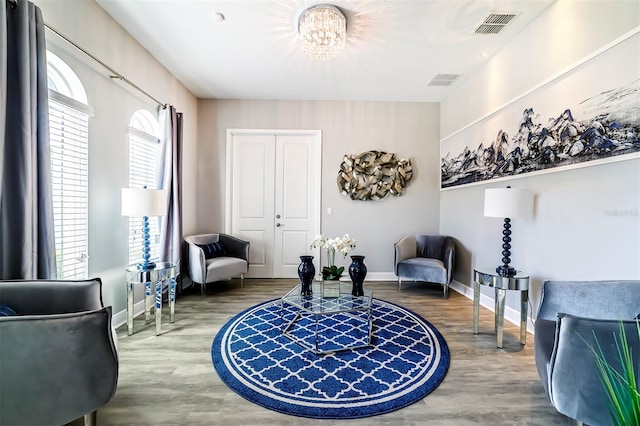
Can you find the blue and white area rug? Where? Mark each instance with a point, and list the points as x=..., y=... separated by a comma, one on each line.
x=408, y=359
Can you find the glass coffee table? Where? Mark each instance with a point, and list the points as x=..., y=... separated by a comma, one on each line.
x=327, y=324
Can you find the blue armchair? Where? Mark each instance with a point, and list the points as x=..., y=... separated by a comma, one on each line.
x=423, y=257
x=571, y=316
x=58, y=358
x=230, y=259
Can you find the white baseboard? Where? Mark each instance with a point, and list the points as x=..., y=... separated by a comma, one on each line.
x=510, y=314
x=120, y=318
x=381, y=276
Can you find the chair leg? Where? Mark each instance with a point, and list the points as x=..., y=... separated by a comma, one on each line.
x=399, y=283
x=91, y=419
x=241, y=280
x=202, y=288
x=445, y=288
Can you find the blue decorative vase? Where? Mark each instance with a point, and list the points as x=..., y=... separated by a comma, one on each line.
x=306, y=272
x=357, y=272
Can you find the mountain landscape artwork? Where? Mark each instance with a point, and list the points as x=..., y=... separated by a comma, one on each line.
x=604, y=125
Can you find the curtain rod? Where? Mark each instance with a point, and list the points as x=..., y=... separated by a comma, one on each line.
x=116, y=75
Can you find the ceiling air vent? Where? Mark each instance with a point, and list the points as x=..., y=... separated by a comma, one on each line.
x=443, y=79
x=494, y=23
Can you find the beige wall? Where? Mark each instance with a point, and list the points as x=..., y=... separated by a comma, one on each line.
x=573, y=235
x=407, y=129
x=114, y=102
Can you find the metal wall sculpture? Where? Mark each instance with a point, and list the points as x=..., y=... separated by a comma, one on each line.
x=371, y=175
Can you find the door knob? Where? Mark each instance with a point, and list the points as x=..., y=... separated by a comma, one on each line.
x=278, y=224
x=277, y=216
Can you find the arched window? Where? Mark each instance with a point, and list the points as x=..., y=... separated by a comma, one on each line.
x=68, y=128
x=63, y=80
x=143, y=156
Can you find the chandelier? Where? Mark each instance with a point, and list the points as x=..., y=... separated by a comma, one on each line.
x=322, y=30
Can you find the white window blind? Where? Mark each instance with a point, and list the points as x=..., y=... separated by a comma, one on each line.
x=143, y=154
x=69, y=170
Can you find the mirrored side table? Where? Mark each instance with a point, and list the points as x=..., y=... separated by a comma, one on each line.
x=488, y=276
x=151, y=278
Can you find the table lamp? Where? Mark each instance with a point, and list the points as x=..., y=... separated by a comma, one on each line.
x=144, y=202
x=507, y=203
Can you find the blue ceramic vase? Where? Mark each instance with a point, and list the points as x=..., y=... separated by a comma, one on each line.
x=306, y=272
x=357, y=272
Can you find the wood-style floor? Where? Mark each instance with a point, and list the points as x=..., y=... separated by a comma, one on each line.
x=170, y=380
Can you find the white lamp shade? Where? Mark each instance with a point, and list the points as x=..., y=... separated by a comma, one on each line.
x=138, y=202
x=508, y=202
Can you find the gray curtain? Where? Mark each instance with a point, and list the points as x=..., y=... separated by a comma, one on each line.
x=26, y=208
x=170, y=178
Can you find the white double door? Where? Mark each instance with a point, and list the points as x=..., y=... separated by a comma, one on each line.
x=273, y=196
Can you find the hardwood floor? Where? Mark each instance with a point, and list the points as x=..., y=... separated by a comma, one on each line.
x=170, y=379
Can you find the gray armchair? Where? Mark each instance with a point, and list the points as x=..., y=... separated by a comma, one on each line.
x=423, y=257
x=58, y=359
x=231, y=261
x=570, y=312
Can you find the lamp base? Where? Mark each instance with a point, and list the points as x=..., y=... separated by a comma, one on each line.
x=146, y=266
x=506, y=271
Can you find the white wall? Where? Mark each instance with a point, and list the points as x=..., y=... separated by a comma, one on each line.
x=407, y=129
x=576, y=233
x=114, y=102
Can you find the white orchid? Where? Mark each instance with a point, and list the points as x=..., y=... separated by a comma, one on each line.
x=343, y=245
x=318, y=241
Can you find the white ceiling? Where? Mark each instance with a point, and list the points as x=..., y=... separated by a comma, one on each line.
x=393, y=49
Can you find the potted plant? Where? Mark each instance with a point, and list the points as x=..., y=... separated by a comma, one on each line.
x=620, y=382
x=343, y=245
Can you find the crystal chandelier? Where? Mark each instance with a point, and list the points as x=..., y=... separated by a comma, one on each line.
x=322, y=30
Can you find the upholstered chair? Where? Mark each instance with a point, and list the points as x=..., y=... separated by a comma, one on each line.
x=217, y=257
x=425, y=257
x=573, y=316
x=58, y=358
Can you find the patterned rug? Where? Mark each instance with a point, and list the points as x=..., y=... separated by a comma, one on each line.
x=407, y=360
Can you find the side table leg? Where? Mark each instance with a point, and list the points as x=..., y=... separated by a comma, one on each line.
x=476, y=306
x=147, y=302
x=500, y=318
x=524, y=307
x=496, y=308
x=129, y=308
x=158, y=307
x=172, y=300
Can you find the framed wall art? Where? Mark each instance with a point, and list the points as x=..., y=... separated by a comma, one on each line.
x=585, y=116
